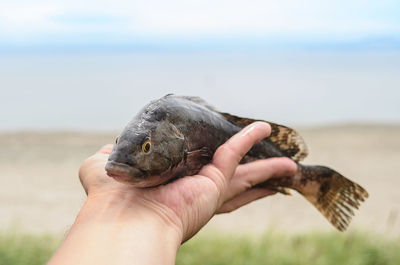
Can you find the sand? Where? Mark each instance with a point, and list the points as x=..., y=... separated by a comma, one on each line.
x=40, y=190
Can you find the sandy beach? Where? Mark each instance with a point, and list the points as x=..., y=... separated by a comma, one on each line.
x=40, y=190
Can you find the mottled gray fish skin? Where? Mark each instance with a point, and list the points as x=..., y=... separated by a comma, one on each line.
x=175, y=136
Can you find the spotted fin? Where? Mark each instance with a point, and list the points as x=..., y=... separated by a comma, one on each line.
x=282, y=190
x=285, y=138
x=335, y=196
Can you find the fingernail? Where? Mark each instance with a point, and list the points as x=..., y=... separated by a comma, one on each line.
x=247, y=130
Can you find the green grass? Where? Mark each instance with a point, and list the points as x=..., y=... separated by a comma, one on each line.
x=271, y=248
x=17, y=248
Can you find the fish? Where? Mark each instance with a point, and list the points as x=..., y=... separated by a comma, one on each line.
x=175, y=136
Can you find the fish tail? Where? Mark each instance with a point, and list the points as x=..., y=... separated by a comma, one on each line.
x=332, y=194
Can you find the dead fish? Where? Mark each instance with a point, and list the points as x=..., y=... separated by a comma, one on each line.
x=175, y=136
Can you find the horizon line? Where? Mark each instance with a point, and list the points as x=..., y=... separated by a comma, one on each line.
x=226, y=44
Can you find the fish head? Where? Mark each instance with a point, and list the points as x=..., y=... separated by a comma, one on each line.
x=142, y=154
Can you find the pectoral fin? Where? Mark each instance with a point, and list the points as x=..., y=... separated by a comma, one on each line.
x=196, y=159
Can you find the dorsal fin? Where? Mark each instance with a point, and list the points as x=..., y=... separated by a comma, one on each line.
x=285, y=138
x=200, y=101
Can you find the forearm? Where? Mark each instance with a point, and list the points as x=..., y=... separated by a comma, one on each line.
x=105, y=233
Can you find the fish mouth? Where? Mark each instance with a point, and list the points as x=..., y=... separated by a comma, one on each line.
x=115, y=169
x=132, y=175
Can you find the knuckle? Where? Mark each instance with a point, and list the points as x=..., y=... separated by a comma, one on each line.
x=232, y=153
x=217, y=177
x=250, y=183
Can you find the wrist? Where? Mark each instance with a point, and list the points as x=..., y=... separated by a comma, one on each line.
x=128, y=207
x=128, y=210
x=123, y=230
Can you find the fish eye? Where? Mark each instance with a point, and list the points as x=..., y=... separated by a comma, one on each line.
x=146, y=146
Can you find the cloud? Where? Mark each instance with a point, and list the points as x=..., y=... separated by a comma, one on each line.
x=335, y=19
x=264, y=17
x=28, y=17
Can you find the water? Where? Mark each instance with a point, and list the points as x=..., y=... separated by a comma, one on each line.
x=102, y=91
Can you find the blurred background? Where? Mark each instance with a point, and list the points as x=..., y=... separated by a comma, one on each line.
x=73, y=73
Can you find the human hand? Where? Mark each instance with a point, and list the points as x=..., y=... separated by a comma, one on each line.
x=187, y=204
x=121, y=224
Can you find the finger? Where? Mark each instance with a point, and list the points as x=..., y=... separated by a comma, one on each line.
x=106, y=149
x=228, y=155
x=253, y=173
x=244, y=198
x=92, y=174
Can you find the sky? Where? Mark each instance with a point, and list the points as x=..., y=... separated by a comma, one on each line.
x=269, y=49
x=207, y=23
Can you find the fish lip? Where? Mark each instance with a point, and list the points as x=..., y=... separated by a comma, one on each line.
x=133, y=176
x=123, y=171
x=117, y=177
